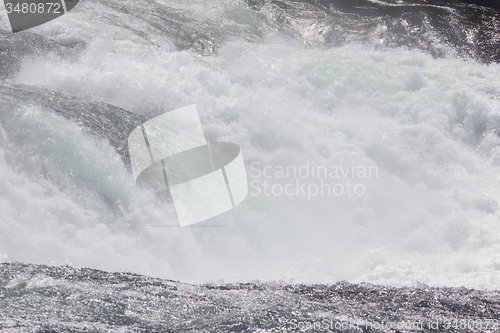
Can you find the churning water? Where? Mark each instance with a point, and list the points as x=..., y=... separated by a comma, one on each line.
x=399, y=101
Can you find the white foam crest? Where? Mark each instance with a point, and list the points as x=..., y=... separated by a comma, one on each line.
x=429, y=125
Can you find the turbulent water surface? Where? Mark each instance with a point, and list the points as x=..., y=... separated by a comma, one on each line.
x=65, y=299
x=398, y=100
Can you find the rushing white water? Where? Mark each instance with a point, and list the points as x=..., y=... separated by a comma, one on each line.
x=429, y=127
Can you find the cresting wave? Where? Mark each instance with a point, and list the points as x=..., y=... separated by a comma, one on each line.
x=410, y=89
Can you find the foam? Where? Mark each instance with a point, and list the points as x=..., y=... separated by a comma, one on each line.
x=428, y=124
x=4, y=19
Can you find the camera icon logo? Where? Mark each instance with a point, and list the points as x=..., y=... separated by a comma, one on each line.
x=204, y=179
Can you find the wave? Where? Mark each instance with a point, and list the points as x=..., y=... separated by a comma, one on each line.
x=409, y=88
